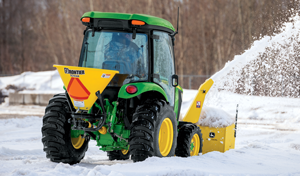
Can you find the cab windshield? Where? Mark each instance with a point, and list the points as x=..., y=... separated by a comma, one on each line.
x=116, y=51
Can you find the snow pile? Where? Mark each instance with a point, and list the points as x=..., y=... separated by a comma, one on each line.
x=269, y=68
x=215, y=117
x=32, y=82
x=210, y=116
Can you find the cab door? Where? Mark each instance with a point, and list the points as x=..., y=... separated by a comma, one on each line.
x=163, y=63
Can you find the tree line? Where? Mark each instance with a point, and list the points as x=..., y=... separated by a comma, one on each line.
x=35, y=34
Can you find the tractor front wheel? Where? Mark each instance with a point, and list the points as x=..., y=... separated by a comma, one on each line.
x=59, y=144
x=189, y=140
x=153, y=131
x=118, y=154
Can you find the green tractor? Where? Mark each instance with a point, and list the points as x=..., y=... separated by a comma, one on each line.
x=124, y=94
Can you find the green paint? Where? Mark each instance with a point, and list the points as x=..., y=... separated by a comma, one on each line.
x=142, y=88
x=99, y=107
x=176, y=102
x=192, y=146
x=113, y=116
x=180, y=88
x=148, y=19
x=108, y=108
x=76, y=133
x=105, y=141
x=111, y=148
x=108, y=144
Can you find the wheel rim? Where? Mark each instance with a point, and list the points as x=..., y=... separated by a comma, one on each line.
x=165, y=139
x=124, y=151
x=195, y=145
x=77, y=142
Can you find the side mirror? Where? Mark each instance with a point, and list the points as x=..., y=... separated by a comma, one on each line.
x=174, y=80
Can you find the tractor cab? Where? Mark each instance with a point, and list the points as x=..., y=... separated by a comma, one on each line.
x=139, y=46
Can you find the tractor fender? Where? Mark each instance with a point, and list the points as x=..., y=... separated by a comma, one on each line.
x=142, y=87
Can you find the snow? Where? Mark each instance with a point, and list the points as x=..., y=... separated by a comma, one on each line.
x=35, y=82
x=215, y=117
x=267, y=142
x=269, y=68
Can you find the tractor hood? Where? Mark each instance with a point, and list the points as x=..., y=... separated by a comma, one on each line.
x=82, y=83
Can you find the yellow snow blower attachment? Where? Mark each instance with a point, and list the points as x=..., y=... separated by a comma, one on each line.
x=194, y=111
x=82, y=83
x=214, y=138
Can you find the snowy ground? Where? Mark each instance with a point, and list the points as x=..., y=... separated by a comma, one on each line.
x=267, y=143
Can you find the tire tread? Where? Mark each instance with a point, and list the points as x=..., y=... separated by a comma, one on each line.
x=185, y=135
x=54, y=135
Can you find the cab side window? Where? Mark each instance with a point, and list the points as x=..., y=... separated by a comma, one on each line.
x=164, y=63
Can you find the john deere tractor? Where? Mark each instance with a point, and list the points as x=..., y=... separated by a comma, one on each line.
x=124, y=94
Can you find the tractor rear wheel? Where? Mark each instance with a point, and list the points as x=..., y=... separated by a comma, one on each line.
x=153, y=131
x=58, y=143
x=189, y=140
x=118, y=154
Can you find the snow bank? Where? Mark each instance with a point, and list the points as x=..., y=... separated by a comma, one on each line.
x=269, y=68
x=41, y=82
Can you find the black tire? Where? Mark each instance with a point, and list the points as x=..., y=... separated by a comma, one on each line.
x=145, y=128
x=118, y=155
x=185, y=136
x=56, y=133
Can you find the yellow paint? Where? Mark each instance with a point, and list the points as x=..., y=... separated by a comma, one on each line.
x=222, y=141
x=178, y=87
x=165, y=139
x=103, y=130
x=77, y=142
x=196, y=145
x=194, y=111
x=90, y=125
x=93, y=80
x=124, y=151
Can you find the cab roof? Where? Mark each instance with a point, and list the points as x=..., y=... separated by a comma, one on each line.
x=148, y=19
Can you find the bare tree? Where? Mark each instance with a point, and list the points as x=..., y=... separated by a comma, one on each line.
x=37, y=34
